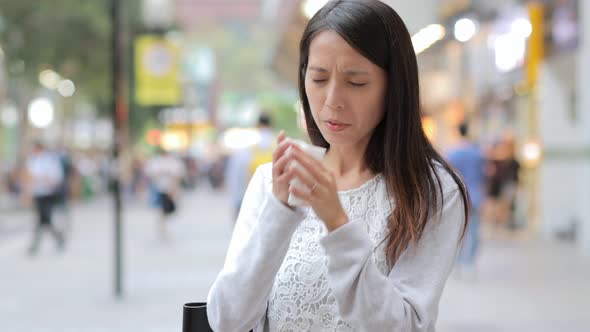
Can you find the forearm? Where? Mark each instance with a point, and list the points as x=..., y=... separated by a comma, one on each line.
x=366, y=297
x=238, y=298
x=407, y=298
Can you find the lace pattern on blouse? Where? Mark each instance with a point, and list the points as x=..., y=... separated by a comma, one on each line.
x=301, y=298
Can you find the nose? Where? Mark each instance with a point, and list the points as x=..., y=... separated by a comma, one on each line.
x=334, y=98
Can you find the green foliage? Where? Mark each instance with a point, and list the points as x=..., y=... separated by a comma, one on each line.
x=282, y=110
x=71, y=37
x=243, y=53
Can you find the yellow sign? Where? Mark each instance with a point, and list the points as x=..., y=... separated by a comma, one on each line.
x=157, y=71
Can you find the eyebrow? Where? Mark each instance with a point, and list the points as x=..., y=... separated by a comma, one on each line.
x=351, y=72
x=318, y=69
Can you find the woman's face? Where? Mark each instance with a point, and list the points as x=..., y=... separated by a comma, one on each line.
x=346, y=91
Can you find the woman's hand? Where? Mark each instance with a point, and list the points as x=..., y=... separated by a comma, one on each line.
x=322, y=195
x=280, y=178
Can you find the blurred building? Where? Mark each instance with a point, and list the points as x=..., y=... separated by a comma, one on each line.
x=507, y=66
x=192, y=13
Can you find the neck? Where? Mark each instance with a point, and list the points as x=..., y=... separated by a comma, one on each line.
x=346, y=161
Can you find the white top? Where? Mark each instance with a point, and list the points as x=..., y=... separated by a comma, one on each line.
x=165, y=171
x=46, y=173
x=284, y=272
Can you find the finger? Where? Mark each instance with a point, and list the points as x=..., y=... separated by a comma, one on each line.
x=281, y=164
x=280, y=158
x=275, y=155
x=283, y=145
x=281, y=137
x=304, y=195
x=284, y=178
x=310, y=164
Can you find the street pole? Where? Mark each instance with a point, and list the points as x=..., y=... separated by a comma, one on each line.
x=115, y=169
x=534, y=58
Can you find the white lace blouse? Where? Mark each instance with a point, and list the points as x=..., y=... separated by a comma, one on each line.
x=285, y=272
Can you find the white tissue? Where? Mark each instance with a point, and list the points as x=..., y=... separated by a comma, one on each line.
x=316, y=152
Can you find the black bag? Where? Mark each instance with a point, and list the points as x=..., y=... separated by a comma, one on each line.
x=194, y=318
x=168, y=205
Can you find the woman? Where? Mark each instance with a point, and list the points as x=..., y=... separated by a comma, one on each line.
x=386, y=213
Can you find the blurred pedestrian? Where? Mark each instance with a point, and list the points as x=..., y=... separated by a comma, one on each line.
x=137, y=181
x=64, y=192
x=243, y=163
x=508, y=172
x=502, y=172
x=468, y=160
x=44, y=178
x=190, y=165
x=165, y=172
x=493, y=183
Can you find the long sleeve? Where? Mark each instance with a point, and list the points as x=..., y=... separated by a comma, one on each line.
x=238, y=298
x=406, y=299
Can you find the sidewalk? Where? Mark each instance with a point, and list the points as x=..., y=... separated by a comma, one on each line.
x=522, y=285
x=73, y=291
x=8, y=203
x=16, y=218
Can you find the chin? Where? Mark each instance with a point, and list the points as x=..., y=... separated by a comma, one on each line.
x=345, y=139
x=337, y=139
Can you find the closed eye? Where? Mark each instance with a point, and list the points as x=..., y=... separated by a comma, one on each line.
x=357, y=84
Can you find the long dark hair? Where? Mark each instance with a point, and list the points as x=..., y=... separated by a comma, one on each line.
x=398, y=147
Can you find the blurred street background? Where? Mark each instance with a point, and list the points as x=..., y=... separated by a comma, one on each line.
x=128, y=128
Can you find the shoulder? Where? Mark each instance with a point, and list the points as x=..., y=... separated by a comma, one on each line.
x=446, y=178
x=452, y=203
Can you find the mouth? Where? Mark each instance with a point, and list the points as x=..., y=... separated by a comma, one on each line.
x=336, y=125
